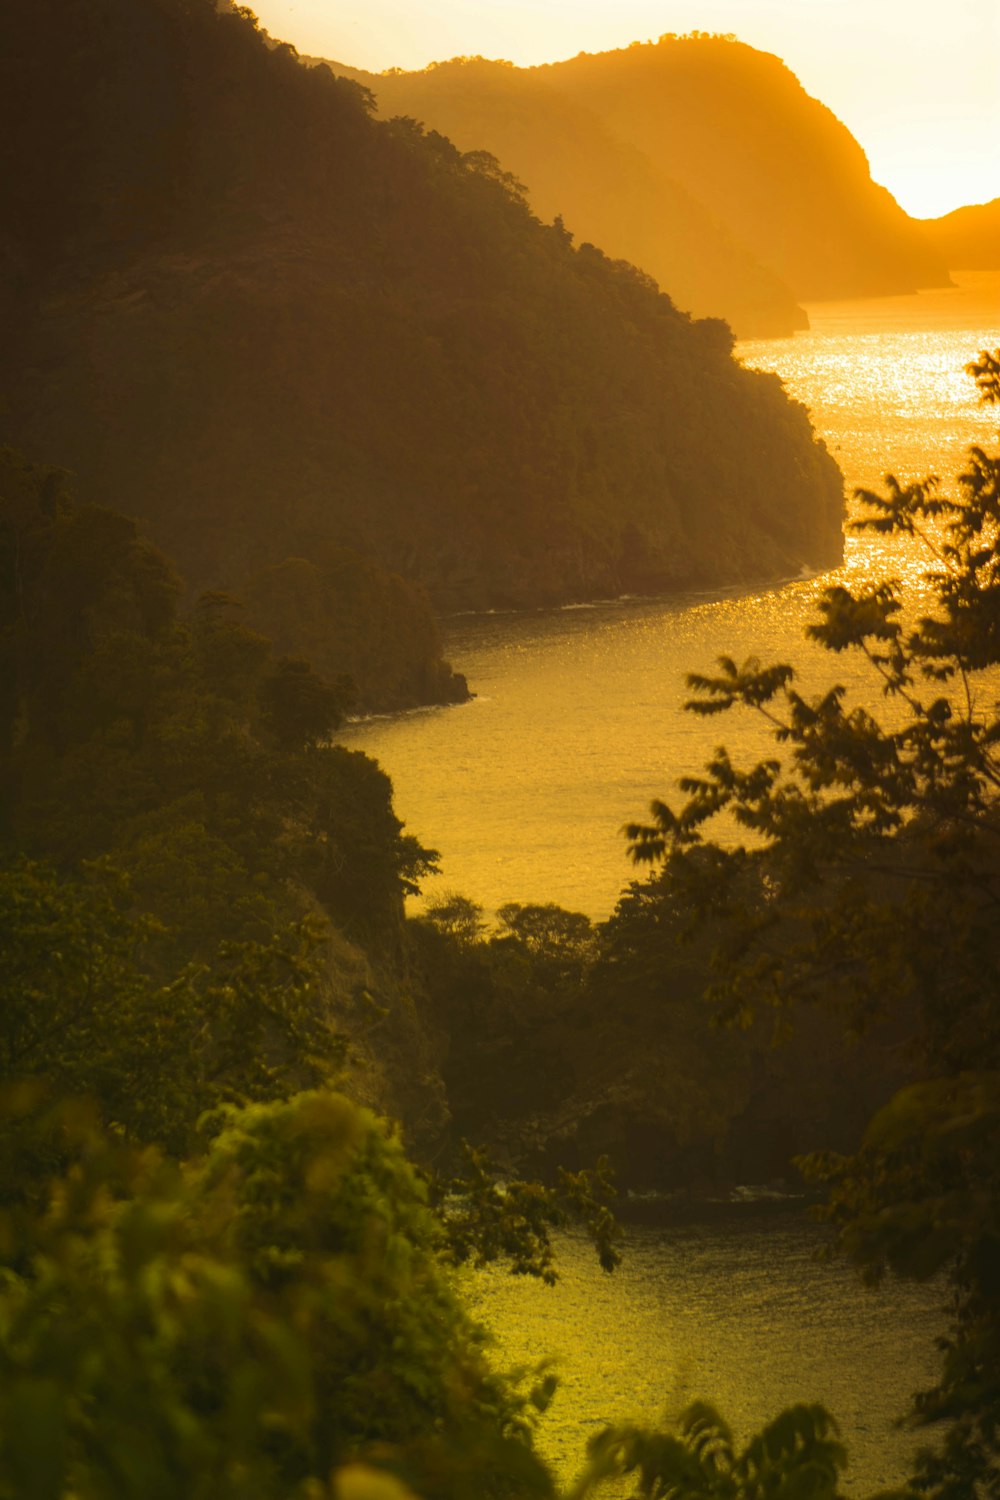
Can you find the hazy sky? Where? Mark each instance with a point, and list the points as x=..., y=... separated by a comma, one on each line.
x=917, y=81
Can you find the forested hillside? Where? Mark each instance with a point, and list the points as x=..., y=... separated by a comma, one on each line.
x=606, y=190
x=276, y=329
x=736, y=128
x=697, y=158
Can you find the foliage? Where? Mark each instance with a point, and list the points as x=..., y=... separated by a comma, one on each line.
x=299, y=709
x=358, y=624
x=553, y=937
x=565, y=1041
x=797, y=1456
x=457, y=916
x=912, y=803
x=276, y=1319
x=178, y=836
x=180, y=746
x=511, y=1220
x=504, y=996
x=84, y=1013
x=921, y=1198
x=649, y=1077
x=245, y=1326
x=872, y=882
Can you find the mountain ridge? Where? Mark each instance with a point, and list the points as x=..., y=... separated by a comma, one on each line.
x=777, y=191
x=622, y=202
x=275, y=327
x=760, y=109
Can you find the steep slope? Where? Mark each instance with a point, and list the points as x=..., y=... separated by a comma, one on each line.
x=605, y=190
x=968, y=239
x=735, y=127
x=276, y=327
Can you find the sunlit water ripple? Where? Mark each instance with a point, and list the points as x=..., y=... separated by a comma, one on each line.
x=744, y=1315
x=579, y=718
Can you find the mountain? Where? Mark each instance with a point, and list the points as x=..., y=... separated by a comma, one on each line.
x=606, y=190
x=275, y=328
x=968, y=238
x=736, y=128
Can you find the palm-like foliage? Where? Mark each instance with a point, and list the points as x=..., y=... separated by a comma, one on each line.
x=871, y=881
x=798, y=1456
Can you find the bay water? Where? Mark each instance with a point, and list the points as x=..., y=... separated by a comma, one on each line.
x=738, y=1310
x=578, y=722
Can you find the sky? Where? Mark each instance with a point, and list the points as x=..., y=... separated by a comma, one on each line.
x=916, y=81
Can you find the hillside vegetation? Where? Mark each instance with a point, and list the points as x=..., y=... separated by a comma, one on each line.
x=277, y=328
x=736, y=128
x=574, y=166
x=697, y=158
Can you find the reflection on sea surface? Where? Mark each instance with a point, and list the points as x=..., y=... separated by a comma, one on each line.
x=579, y=720
x=741, y=1313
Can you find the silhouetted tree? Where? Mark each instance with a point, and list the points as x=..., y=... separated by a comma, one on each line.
x=875, y=884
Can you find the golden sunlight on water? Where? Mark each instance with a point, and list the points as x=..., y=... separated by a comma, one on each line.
x=579, y=720
x=741, y=1314
x=886, y=385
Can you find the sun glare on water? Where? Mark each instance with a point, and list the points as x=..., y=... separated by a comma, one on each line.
x=580, y=719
